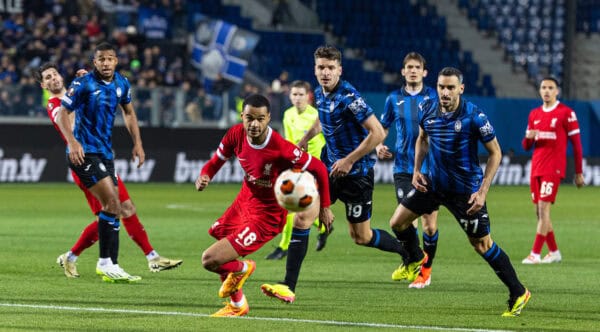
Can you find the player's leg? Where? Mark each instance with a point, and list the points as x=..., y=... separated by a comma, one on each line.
x=285, y=291
x=430, y=239
x=286, y=235
x=323, y=234
x=86, y=239
x=138, y=234
x=477, y=229
x=543, y=192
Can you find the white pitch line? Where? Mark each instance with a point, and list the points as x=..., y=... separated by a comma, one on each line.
x=292, y=320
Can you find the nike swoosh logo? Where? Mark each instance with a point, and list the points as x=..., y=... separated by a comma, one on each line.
x=536, y=122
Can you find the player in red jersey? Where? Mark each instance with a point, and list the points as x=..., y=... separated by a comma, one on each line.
x=254, y=217
x=51, y=80
x=548, y=128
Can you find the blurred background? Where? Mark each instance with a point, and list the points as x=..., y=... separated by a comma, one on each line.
x=191, y=63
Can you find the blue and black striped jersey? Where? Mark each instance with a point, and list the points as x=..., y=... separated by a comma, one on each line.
x=342, y=113
x=453, y=143
x=96, y=103
x=402, y=108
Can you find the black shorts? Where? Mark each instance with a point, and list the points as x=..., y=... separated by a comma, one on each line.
x=94, y=169
x=356, y=192
x=475, y=226
x=403, y=184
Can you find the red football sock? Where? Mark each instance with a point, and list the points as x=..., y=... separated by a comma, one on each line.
x=137, y=233
x=538, y=243
x=237, y=296
x=551, y=241
x=231, y=266
x=88, y=237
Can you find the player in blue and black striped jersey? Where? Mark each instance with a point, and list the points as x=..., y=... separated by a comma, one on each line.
x=351, y=133
x=401, y=109
x=95, y=98
x=450, y=131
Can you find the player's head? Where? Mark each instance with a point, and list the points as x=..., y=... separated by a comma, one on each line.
x=413, y=69
x=105, y=60
x=49, y=78
x=299, y=91
x=549, y=90
x=256, y=115
x=328, y=67
x=449, y=88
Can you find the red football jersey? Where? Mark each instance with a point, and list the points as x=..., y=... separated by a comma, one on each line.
x=554, y=126
x=52, y=107
x=263, y=163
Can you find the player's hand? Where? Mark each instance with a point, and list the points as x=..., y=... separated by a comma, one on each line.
x=341, y=167
x=477, y=200
x=419, y=181
x=531, y=133
x=80, y=72
x=579, y=181
x=76, y=153
x=202, y=181
x=383, y=152
x=138, y=151
x=303, y=144
x=326, y=218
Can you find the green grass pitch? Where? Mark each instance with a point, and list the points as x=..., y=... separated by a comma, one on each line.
x=345, y=287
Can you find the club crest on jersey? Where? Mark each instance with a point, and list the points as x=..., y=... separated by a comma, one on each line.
x=267, y=169
x=119, y=92
x=357, y=105
x=487, y=129
x=71, y=92
x=457, y=126
x=50, y=106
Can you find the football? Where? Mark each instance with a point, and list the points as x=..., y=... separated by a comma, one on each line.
x=296, y=190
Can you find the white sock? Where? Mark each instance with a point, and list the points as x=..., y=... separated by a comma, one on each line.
x=245, y=268
x=152, y=255
x=71, y=257
x=240, y=303
x=104, y=262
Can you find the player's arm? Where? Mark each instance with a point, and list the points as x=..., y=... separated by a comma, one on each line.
x=65, y=124
x=383, y=151
x=318, y=169
x=530, y=134
x=310, y=133
x=574, y=135
x=495, y=156
x=376, y=135
x=131, y=123
x=421, y=149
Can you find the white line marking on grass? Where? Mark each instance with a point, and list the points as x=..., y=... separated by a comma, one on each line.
x=292, y=320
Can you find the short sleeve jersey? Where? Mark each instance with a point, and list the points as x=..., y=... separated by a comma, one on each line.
x=342, y=113
x=453, y=145
x=96, y=102
x=401, y=108
x=261, y=163
x=295, y=125
x=554, y=126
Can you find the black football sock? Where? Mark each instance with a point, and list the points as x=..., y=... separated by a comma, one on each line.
x=410, y=240
x=500, y=262
x=430, y=247
x=296, y=253
x=383, y=240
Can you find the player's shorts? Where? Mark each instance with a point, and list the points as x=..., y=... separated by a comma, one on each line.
x=544, y=188
x=94, y=169
x=475, y=226
x=248, y=224
x=356, y=192
x=94, y=203
x=403, y=184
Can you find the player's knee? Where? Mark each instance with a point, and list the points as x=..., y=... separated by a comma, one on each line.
x=113, y=206
x=127, y=209
x=481, y=245
x=209, y=262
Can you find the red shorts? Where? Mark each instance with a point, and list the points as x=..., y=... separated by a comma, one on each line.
x=248, y=224
x=544, y=188
x=92, y=201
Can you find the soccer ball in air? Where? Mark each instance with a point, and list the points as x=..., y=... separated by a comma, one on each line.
x=296, y=190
